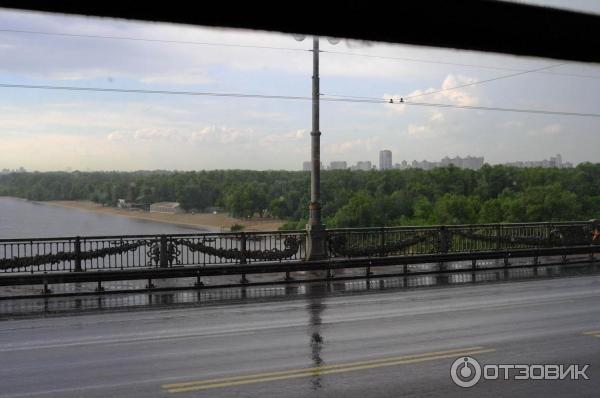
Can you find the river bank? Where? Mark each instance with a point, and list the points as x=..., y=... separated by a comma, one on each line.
x=207, y=221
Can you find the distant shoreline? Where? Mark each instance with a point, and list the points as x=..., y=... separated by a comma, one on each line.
x=206, y=221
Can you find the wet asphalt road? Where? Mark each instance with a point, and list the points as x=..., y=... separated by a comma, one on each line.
x=386, y=344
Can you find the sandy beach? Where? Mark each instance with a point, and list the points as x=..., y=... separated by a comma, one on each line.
x=211, y=222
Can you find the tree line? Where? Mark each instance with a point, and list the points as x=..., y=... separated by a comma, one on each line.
x=446, y=195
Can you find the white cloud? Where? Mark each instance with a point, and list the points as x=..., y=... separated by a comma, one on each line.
x=462, y=97
x=221, y=134
x=459, y=96
x=153, y=134
x=116, y=136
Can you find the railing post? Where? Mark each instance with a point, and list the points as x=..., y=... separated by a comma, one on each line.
x=164, y=262
x=243, y=280
x=443, y=245
x=77, y=254
x=444, y=239
x=243, y=248
x=382, y=242
x=199, y=282
x=498, y=237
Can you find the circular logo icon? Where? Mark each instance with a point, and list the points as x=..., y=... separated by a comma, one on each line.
x=465, y=372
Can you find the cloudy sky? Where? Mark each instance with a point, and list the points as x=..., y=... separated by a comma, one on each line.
x=57, y=130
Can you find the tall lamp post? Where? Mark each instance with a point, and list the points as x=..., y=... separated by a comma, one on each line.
x=316, y=237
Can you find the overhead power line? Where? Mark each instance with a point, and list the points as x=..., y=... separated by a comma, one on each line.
x=488, y=108
x=367, y=100
x=141, y=91
x=478, y=66
x=408, y=59
x=348, y=53
x=406, y=97
x=484, y=81
x=200, y=43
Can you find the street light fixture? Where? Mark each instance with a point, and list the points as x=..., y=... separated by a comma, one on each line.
x=315, y=243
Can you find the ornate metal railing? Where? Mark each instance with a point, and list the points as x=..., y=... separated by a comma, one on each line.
x=398, y=241
x=144, y=251
x=163, y=251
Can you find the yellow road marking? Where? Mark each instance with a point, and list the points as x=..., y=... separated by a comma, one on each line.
x=595, y=333
x=303, y=370
x=322, y=370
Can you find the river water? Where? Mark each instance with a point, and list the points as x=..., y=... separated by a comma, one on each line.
x=23, y=219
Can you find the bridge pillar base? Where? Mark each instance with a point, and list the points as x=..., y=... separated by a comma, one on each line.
x=316, y=238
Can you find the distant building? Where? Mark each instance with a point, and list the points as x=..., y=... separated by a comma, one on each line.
x=425, y=165
x=124, y=204
x=554, y=162
x=338, y=165
x=385, y=159
x=472, y=162
x=363, y=165
x=165, y=207
x=8, y=171
x=307, y=166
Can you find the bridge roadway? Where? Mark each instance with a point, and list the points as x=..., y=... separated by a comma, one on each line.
x=384, y=344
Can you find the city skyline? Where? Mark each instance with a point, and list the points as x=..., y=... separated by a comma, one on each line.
x=468, y=162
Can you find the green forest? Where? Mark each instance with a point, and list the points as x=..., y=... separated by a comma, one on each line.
x=349, y=198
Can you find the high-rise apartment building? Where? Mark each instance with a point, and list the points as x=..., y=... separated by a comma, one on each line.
x=385, y=159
